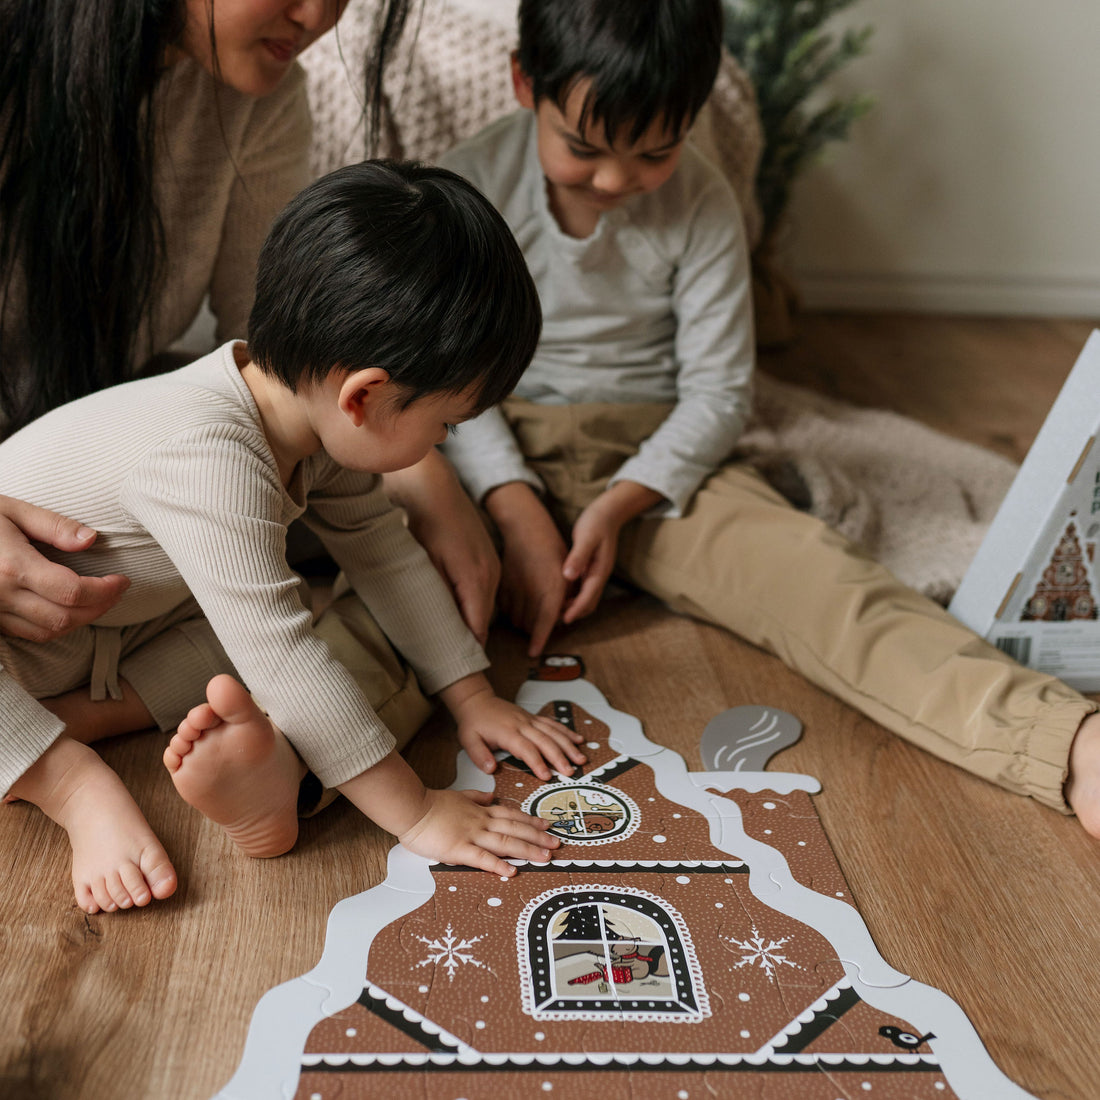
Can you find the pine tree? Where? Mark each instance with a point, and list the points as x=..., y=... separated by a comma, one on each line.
x=582, y=922
x=788, y=57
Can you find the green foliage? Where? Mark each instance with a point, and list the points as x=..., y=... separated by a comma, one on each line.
x=788, y=57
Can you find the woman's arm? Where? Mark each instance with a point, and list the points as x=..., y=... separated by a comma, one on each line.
x=39, y=599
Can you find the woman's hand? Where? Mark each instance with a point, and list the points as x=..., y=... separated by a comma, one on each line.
x=39, y=599
x=445, y=522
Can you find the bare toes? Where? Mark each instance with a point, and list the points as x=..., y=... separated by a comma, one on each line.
x=133, y=882
x=159, y=874
x=102, y=896
x=85, y=900
x=178, y=748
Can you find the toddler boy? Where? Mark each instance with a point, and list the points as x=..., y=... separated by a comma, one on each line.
x=391, y=304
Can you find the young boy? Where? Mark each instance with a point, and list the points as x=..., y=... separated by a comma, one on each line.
x=620, y=429
x=391, y=304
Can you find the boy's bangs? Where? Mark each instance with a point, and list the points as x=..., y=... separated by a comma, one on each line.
x=628, y=111
x=646, y=62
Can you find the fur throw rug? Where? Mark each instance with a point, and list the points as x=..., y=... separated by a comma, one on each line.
x=915, y=499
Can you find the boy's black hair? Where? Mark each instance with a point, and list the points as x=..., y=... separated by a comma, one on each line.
x=395, y=265
x=648, y=60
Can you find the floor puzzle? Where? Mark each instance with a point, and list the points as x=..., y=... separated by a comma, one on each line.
x=692, y=938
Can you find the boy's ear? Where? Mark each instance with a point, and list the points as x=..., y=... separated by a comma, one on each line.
x=361, y=392
x=522, y=84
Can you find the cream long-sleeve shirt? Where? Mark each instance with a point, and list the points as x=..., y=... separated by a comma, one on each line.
x=654, y=306
x=176, y=475
x=224, y=165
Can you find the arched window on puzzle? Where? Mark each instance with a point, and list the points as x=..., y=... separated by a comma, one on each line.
x=602, y=953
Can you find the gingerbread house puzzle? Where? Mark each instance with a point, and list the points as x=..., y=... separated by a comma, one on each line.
x=692, y=937
x=1032, y=587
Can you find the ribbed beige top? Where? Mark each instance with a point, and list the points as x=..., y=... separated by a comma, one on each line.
x=177, y=476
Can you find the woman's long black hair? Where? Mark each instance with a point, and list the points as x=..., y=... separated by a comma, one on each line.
x=81, y=242
x=79, y=233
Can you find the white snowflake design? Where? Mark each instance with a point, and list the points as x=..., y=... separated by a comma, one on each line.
x=766, y=954
x=452, y=952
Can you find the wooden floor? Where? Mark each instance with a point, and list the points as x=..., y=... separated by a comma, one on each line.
x=987, y=896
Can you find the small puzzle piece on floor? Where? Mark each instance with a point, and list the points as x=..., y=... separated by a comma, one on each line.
x=692, y=938
x=746, y=738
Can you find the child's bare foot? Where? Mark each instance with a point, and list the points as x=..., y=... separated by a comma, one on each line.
x=117, y=860
x=230, y=763
x=1083, y=784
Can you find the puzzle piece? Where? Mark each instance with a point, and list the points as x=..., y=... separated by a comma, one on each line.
x=746, y=738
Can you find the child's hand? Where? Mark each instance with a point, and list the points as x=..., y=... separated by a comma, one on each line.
x=443, y=519
x=596, y=543
x=591, y=559
x=532, y=587
x=465, y=828
x=487, y=722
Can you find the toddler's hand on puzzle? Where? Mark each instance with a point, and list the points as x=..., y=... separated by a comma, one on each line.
x=467, y=829
x=487, y=722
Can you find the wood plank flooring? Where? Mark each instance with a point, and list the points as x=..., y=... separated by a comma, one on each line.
x=987, y=896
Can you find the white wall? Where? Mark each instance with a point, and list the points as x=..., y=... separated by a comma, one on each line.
x=974, y=184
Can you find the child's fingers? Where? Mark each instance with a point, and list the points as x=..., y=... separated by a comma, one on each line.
x=580, y=557
x=515, y=840
x=593, y=579
x=531, y=755
x=473, y=855
x=569, y=739
x=482, y=798
x=552, y=725
x=556, y=748
x=587, y=597
x=511, y=847
x=478, y=752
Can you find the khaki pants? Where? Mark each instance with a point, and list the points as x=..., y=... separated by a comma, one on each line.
x=169, y=661
x=744, y=559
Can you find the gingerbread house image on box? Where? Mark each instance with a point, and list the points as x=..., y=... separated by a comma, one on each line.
x=685, y=942
x=1064, y=590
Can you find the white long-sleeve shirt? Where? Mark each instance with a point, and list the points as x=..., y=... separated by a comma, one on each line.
x=654, y=306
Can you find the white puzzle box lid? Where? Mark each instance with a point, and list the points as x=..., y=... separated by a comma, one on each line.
x=1032, y=587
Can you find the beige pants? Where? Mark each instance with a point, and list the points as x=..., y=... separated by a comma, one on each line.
x=744, y=559
x=169, y=661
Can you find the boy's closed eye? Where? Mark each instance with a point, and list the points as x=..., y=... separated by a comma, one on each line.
x=583, y=152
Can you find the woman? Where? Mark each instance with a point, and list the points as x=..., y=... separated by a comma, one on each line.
x=147, y=145
x=142, y=168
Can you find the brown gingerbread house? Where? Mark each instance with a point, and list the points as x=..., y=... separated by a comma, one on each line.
x=685, y=942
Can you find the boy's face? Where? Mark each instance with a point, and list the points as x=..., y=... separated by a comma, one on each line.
x=586, y=175
x=367, y=430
